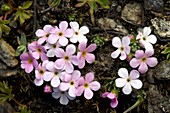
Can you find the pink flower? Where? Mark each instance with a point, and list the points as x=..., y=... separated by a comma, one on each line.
x=60, y=34
x=67, y=59
x=128, y=81
x=78, y=33
x=145, y=39
x=52, y=49
x=123, y=47
x=64, y=96
x=43, y=34
x=87, y=85
x=37, y=51
x=47, y=89
x=39, y=73
x=85, y=55
x=71, y=84
x=142, y=60
x=53, y=75
x=112, y=97
x=28, y=62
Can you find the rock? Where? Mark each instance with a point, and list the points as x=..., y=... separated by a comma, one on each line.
x=132, y=13
x=154, y=5
x=150, y=77
x=2, y=65
x=162, y=27
x=7, y=54
x=110, y=24
x=162, y=70
x=6, y=108
x=7, y=72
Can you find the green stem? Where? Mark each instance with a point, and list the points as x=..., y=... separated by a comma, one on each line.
x=18, y=102
x=139, y=101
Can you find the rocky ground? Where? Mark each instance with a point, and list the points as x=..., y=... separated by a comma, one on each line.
x=122, y=18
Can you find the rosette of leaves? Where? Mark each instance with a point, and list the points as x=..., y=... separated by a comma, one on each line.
x=23, y=13
x=22, y=45
x=98, y=40
x=93, y=4
x=3, y=27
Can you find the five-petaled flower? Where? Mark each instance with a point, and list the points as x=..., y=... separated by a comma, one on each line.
x=143, y=59
x=112, y=97
x=128, y=81
x=87, y=85
x=84, y=54
x=123, y=47
x=51, y=49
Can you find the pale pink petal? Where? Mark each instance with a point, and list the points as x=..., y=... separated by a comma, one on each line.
x=123, y=72
x=55, y=30
x=116, y=42
x=127, y=89
x=48, y=76
x=60, y=52
x=72, y=91
x=81, y=81
x=50, y=66
x=41, y=40
x=143, y=68
x=137, y=84
x=135, y=62
x=28, y=68
x=47, y=28
x=69, y=67
x=152, y=39
x=44, y=56
x=84, y=30
x=81, y=63
x=114, y=103
x=73, y=39
x=94, y=85
x=146, y=31
x=52, y=39
x=65, y=77
x=68, y=33
x=38, y=82
x=139, y=54
x=51, y=53
x=59, y=63
x=152, y=62
x=32, y=47
x=63, y=100
x=55, y=81
x=64, y=86
x=127, y=50
x=134, y=74
x=63, y=25
x=89, y=77
x=148, y=46
x=120, y=82
x=123, y=55
x=90, y=58
x=40, y=33
x=91, y=48
x=139, y=36
x=79, y=90
x=70, y=49
x=69, y=97
x=149, y=53
x=125, y=41
x=76, y=75
x=88, y=94
x=24, y=56
x=56, y=95
x=104, y=95
x=82, y=46
x=63, y=41
x=74, y=26
x=111, y=96
x=74, y=59
x=82, y=38
x=115, y=54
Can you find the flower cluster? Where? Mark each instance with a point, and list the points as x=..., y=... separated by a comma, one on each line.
x=53, y=59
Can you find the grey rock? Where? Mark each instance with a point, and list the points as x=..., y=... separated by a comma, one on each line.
x=111, y=24
x=154, y=5
x=7, y=72
x=132, y=13
x=162, y=70
x=150, y=77
x=162, y=27
x=6, y=108
x=2, y=65
x=7, y=54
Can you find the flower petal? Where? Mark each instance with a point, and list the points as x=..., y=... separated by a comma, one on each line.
x=63, y=25
x=134, y=74
x=137, y=84
x=91, y=48
x=50, y=66
x=48, y=76
x=70, y=49
x=55, y=81
x=41, y=40
x=84, y=30
x=81, y=63
x=123, y=72
x=79, y=90
x=73, y=39
x=90, y=58
x=76, y=75
x=40, y=33
x=111, y=96
x=72, y=91
x=52, y=39
x=114, y=103
x=120, y=82
x=82, y=38
x=143, y=68
x=88, y=94
x=127, y=89
x=64, y=86
x=82, y=46
x=123, y=55
x=63, y=100
x=89, y=77
x=94, y=85
x=69, y=67
x=115, y=54
x=152, y=39
x=116, y=42
x=74, y=26
x=125, y=41
x=59, y=63
x=104, y=95
x=139, y=54
x=56, y=95
x=135, y=62
x=38, y=82
x=74, y=59
x=146, y=31
x=47, y=28
x=24, y=56
x=152, y=61
x=60, y=52
x=68, y=33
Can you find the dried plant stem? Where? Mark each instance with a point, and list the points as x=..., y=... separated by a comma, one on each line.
x=18, y=102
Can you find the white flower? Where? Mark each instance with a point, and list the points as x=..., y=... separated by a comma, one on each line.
x=123, y=47
x=128, y=81
x=64, y=96
x=145, y=39
x=78, y=33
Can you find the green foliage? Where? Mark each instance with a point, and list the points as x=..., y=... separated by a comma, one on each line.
x=25, y=110
x=5, y=92
x=22, y=13
x=93, y=4
x=3, y=27
x=167, y=50
x=5, y=8
x=98, y=40
x=54, y=3
x=23, y=45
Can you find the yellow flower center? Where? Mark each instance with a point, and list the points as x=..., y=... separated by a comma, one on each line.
x=54, y=46
x=72, y=83
x=60, y=34
x=76, y=33
x=41, y=72
x=84, y=53
x=143, y=59
x=67, y=58
x=56, y=73
x=121, y=48
x=47, y=35
x=86, y=85
x=39, y=50
x=30, y=61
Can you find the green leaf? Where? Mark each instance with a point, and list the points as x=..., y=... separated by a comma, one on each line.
x=168, y=56
x=27, y=4
x=6, y=29
x=3, y=98
x=4, y=21
x=0, y=31
x=80, y=4
x=55, y=3
x=17, y=53
x=167, y=50
x=23, y=39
